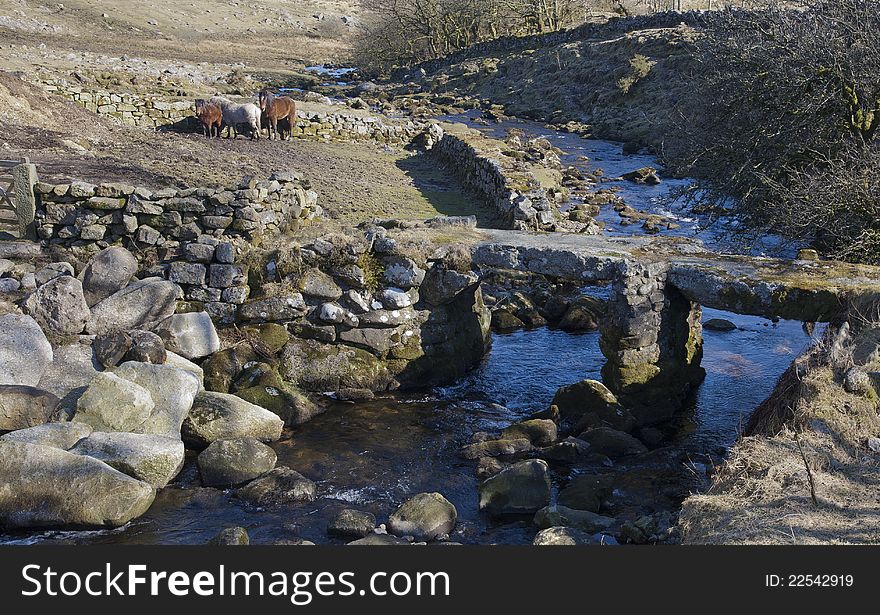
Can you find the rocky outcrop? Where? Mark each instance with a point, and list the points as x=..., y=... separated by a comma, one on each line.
x=45, y=487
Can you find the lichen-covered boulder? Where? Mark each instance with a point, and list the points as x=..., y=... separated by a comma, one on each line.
x=172, y=390
x=231, y=462
x=59, y=306
x=314, y=366
x=107, y=272
x=191, y=335
x=111, y=403
x=589, y=403
x=55, y=435
x=25, y=353
x=220, y=416
x=424, y=516
x=138, y=304
x=150, y=458
x=45, y=487
x=540, y=432
x=350, y=523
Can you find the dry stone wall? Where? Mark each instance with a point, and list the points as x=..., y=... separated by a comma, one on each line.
x=187, y=236
x=156, y=111
x=514, y=194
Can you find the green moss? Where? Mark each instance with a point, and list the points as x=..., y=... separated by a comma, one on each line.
x=272, y=335
x=374, y=270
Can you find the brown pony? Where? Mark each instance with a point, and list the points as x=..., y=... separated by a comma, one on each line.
x=277, y=108
x=210, y=115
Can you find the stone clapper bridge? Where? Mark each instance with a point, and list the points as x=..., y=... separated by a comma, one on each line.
x=652, y=333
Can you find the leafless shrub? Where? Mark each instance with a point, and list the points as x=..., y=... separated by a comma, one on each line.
x=780, y=125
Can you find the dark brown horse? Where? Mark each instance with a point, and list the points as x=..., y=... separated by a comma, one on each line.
x=211, y=116
x=277, y=108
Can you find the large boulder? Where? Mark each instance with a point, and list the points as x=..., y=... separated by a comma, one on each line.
x=222, y=368
x=191, y=335
x=141, y=303
x=146, y=347
x=172, y=390
x=111, y=403
x=220, y=416
x=175, y=360
x=55, y=435
x=59, y=306
x=583, y=314
x=150, y=458
x=72, y=369
x=521, y=488
x=350, y=523
x=279, y=486
x=106, y=273
x=442, y=285
x=314, y=366
x=111, y=347
x=540, y=432
x=25, y=353
x=589, y=403
x=22, y=407
x=231, y=462
x=424, y=516
x=45, y=487
x=260, y=384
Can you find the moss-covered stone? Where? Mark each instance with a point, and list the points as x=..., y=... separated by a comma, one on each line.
x=315, y=366
x=272, y=335
x=223, y=367
x=291, y=405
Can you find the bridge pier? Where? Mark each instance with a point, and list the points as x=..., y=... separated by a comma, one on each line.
x=652, y=340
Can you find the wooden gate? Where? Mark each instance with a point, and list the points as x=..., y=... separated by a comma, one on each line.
x=17, y=201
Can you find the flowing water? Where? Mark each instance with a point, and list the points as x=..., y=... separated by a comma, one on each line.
x=590, y=155
x=373, y=455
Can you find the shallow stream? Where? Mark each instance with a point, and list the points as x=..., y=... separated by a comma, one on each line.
x=373, y=455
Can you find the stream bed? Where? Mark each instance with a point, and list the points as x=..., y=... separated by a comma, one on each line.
x=373, y=455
